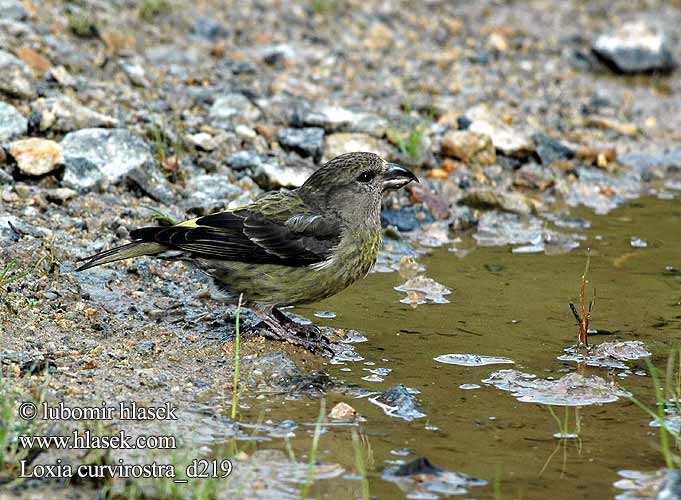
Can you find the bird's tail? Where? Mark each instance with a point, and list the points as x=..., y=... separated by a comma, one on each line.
x=134, y=249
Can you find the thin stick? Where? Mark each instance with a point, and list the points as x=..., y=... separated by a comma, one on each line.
x=584, y=324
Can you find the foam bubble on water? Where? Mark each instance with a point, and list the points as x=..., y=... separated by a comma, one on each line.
x=638, y=485
x=504, y=228
x=565, y=435
x=613, y=354
x=402, y=452
x=421, y=290
x=672, y=424
x=572, y=389
x=382, y=372
x=471, y=360
x=638, y=242
x=325, y=314
x=345, y=355
x=353, y=337
x=529, y=248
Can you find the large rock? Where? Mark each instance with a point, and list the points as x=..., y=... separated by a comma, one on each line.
x=634, y=47
x=13, y=9
x=268, y=171
x=135, y=73
x=64, y=114
x=12, y=123
x=308, y=142
x=16, y=78
x=509, y=140
x=152, y=182
x=340, y=143
x=406, y=218
x=210, y=192
x=670, y=486
x=550, y=150
x=35, y=60
x=469, y=147
x=228, y=107
x=36, y=156
x=208, y=28
x=399, y=402
x=95, y=155
x=338, y=119
x=202, y=141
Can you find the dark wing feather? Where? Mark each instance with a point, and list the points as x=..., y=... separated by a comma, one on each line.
x=248, y=236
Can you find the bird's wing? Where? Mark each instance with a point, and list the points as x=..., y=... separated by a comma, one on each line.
x=246, y=235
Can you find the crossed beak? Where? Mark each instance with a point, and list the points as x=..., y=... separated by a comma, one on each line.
x=397, y=176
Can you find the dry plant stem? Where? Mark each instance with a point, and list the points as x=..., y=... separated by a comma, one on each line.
x=584, y=323
x=583, y=316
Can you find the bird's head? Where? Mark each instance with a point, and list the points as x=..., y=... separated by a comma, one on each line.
x=352, y=185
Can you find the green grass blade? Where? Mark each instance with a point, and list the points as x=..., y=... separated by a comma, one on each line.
x=313, y=452
x=237, y=356
x=361, y=465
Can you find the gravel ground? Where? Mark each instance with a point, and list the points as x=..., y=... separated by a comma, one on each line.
x=113, y=111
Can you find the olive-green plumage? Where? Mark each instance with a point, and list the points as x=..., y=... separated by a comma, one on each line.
x=287, y=247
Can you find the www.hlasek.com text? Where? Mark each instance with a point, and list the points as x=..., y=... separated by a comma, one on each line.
x=86, y=440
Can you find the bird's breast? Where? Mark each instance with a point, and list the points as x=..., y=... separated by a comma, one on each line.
x=352, y=259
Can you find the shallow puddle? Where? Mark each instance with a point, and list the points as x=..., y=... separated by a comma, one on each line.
x=512, y=306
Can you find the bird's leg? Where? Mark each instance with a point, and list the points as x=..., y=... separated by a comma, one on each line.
x=309, y=331
x=277, y=326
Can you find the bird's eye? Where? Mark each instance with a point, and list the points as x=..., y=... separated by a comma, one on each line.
x=366, y=176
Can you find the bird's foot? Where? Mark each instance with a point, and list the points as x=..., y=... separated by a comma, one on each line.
x=280, y=327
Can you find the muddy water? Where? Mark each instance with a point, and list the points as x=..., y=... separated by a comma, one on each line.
x=513, y=306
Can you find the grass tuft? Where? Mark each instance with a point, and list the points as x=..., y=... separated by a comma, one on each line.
x=410, y=143
x=11, y=427
x=151, y=9
x=165, y=141
x=6, y=278
x=323, y=7
x=83, y=24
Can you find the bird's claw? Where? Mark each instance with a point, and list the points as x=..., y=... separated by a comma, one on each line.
x=309, y=337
